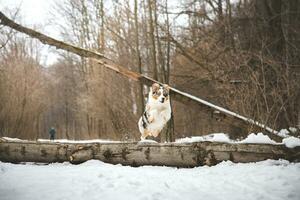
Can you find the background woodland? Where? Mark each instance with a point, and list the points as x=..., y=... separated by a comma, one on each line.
x=242, y=55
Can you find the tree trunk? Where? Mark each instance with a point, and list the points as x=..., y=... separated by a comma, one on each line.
x=101, y=40
x=138, y=54
x=138, y=154
x=221, y=21
x=161, y=61
x=167, y=69
x=152, y=38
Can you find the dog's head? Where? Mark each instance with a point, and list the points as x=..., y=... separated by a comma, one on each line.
x=159, y=93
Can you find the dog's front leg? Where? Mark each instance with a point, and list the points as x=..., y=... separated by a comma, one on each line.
x=151, y=116
x=166, y=115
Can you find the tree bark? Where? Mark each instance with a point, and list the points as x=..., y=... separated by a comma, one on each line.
x=152, y=38
x=102, y=41
x=167, y=69
x=139, y=154
x=138, y=54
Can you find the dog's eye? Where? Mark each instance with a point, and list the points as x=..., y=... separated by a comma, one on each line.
x=156, y=93
x=165, y=93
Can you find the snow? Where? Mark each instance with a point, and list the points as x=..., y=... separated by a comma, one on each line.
x=97, y=180
x=79, y=141
x=253, y=138
x=291, y=142
x=215, y=137
x=258, y=138
x=12, y=139
x=63, y=141
x=283, y=133
x=293, y=129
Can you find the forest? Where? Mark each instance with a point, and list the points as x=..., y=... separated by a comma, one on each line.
x=242, y=55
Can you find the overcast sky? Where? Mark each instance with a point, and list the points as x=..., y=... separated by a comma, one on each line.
x=35, y=14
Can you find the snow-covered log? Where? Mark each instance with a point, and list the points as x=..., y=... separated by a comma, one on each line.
x=138, y=153
x=232, y=117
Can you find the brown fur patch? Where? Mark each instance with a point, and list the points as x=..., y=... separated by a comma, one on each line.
x=155, y=90
x=166, y=89
x=155, y=87
x=155, y=96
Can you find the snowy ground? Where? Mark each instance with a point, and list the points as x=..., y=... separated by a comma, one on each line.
x=96, y=180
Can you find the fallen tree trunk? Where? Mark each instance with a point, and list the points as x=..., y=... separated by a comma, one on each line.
x=138, y=154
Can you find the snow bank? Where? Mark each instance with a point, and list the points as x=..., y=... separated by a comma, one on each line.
x=291, y=142
x=215, y=137
x=12, y=139
x=283, y=133
x=79, y=141
x=97, y=180
x=293, y=129
x=222, y=137
x=65, y=140
x=253, y=138
x=258, y=138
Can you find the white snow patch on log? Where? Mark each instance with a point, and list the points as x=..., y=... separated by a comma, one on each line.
x=291, y=142
x=79, y=141
x=258, y=138
x=283, y=133
x=253, y=138
x=214, y=137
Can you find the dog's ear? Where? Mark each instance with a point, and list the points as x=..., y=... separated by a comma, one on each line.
x=155, y=87
x=166, y=88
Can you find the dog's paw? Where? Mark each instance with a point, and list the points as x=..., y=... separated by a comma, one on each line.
x=155, y=134
x=143, y=138
x=147, y=141
x=151, y=119
x=147, y=107
x=165, y=119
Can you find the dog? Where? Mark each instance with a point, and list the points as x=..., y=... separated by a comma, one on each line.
x=157, y=111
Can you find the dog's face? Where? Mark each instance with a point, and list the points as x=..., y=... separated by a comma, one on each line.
x=159, y=93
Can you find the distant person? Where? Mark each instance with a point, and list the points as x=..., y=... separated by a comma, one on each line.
x=52, y=133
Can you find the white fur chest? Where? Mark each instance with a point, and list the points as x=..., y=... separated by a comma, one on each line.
x=160, y=117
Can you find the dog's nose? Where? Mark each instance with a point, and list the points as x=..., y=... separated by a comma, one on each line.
x=162, y=99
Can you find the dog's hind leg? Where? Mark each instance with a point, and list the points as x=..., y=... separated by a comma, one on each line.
x=144, y=135
x=155, y=134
